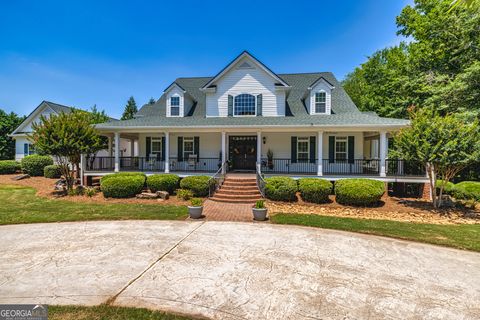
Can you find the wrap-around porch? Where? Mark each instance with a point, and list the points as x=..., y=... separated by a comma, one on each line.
x=306, y=153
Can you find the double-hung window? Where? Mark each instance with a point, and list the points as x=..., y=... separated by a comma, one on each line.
x=244, y=105
x=303, y=149
x=320, y=102
x=156, y=146
x=175, y=106
x=341, y=148
x=188, y=147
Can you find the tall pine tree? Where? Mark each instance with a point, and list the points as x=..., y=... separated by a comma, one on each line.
x=130, y=109
x=151, y=101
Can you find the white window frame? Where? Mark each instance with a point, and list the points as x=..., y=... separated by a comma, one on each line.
x=179, y=105
x=245, y=115
x=301, y=140
x=159, y=140
x=315, y=102
x=188, y=139
x=341, y=139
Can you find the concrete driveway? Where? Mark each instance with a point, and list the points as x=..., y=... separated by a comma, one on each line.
x=226, y=270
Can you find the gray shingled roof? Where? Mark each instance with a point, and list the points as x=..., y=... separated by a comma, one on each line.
x=344, y=111
x=59, y=108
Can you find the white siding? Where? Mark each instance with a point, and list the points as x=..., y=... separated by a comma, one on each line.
x=310, y=101
x=254, y=81
x=19, y=147
x=27, y=127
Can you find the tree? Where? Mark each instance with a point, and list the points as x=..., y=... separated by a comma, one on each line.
x=151, y=101
x=445, y=144
x=8, y=123
x=67, y=136
x=441, y=53
x=98, y=116
x=464, y=3
x=130, y=109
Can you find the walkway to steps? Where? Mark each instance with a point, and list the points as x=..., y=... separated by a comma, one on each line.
x=234, y=200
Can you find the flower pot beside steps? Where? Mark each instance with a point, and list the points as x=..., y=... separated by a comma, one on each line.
x=259, y=211
x=195, y=209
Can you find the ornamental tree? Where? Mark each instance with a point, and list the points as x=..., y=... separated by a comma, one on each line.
x=67, y=136
x=446, y=145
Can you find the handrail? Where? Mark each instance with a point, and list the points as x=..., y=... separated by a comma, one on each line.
x=216, y=180
x=260, y=181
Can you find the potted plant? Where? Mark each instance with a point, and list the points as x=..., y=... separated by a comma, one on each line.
x=270, y=159
x=259, y=211
x=196, y=208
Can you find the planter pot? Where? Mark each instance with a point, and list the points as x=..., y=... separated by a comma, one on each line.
x=195, y=212
x=259, y=214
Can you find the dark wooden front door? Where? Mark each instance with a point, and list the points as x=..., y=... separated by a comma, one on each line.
x=243, y=152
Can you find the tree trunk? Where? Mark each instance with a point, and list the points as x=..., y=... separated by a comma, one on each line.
x=432, y=178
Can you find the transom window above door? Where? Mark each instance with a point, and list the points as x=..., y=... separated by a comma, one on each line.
x=175, y=106
x=244, y=105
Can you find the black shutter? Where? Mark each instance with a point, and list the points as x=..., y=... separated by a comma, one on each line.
x=331, y=149
x=163, y=149
x=148, y=142
x=180, y=149
x=196, y=147
x=351, y=149
x=259, y=105
x=230, y=105
x=313, y=148
x=25, y=149
x=293, y=149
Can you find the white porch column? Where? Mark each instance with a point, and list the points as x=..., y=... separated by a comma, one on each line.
x=224, y=151
x=320, y=153
x=259, y=147
x=167, y=152
x=83, y=166
x=132, y=147
x=117, y=151
x=110, y=149
x=383, y=153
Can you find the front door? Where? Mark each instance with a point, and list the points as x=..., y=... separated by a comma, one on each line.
x=243, y=152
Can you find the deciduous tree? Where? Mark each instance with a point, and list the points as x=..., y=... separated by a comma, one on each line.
x=8, y=123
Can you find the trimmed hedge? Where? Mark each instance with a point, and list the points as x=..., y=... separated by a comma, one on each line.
x=34, y=164
x=359, y=192
x=281, y=188
x=448, y=187
x=122, y=185
x=467, y=190
x=314, y=189
x=9, y=166
x=199, y=185
x=163, y=182
x=52, y=172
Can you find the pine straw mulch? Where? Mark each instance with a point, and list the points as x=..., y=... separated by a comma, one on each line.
x=390, y=208
x=45, y=186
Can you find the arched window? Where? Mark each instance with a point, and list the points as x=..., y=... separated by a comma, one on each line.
x=320, y=102
x=244, y=105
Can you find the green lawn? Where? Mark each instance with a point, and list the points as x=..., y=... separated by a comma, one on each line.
x=457, y=236
x=107, y=313
x=20, y=205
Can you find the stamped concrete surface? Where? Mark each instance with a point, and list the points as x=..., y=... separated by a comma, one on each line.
x=226, y=270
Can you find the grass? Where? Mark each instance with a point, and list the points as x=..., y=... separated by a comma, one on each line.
x=104, y=312
x=466, y=236
x=20, y=205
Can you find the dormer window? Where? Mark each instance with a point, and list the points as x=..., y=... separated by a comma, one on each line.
x=244, y=105
x=320, y=102
x=174, y=106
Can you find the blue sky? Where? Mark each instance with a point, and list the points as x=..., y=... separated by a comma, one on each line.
x=82, y=53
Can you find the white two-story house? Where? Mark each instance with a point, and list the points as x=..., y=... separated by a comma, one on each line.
x=249, y=118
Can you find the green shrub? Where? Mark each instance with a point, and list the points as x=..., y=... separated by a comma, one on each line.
x=260, y=204
x=90, y=192
x=281, y=189
x=467, y=190
x=314, y=189
x=34, y=164
x=52, y=172
x=196, y=202
x=199, y=185
x=122, y=185
x=9, y=166
x=448, y=189
x=163, y=182
x=359, y=192
x=184, y=194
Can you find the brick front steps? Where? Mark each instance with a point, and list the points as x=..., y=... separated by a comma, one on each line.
x=238, y=190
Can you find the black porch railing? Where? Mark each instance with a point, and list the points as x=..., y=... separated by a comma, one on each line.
x=398, y=167
x=126, y=164
x=277, y=165
x=100, y=163
x=195, y=165
x=369, y=167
